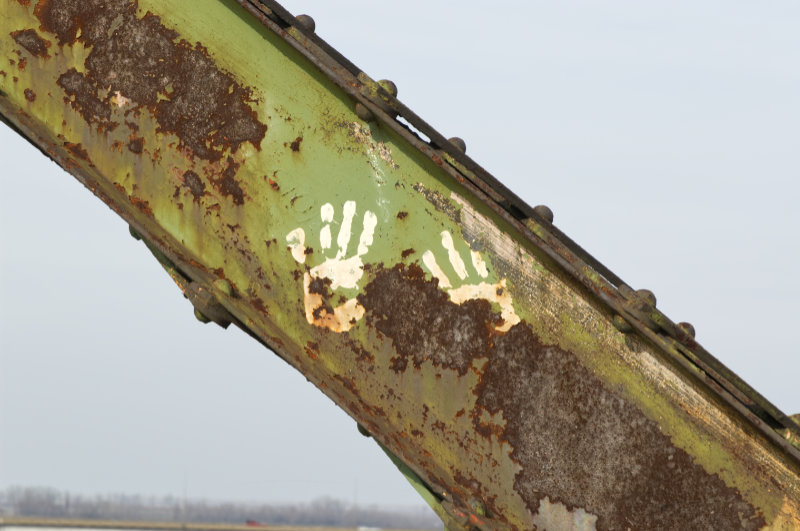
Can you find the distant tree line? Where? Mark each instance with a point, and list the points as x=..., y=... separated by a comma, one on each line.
x=44, y=502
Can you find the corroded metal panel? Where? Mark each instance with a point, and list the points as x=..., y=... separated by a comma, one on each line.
x=521, y=382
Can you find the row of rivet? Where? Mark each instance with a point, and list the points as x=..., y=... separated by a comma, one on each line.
x=543, y=211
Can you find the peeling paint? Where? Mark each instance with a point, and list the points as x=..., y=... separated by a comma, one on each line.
x=556, y=517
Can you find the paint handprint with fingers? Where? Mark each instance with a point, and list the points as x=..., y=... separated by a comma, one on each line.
x=337, y=271
x=478, y=289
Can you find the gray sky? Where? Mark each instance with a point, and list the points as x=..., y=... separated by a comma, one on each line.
x=664, y=136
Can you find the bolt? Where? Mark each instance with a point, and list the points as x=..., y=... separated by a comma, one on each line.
x=621, y=324
x=388, y=86
x=200, y=317
x=479, y=508
x=544, y=212
x=134, y=233
x=648, y=296
x=363, y=431
x=364, y=113
x=459, y=144
x=687, y=327
x=224, y=286
x=307, y=22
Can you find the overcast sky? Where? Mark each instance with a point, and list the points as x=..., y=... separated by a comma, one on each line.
x=665, y=136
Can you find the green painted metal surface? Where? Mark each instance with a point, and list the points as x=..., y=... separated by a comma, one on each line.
x=464, y=334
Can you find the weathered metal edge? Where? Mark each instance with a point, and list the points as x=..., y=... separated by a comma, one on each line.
x=574, y=260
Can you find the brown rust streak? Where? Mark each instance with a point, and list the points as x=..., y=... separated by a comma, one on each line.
x=31, y=41
x=77, y=151
x=575, y=441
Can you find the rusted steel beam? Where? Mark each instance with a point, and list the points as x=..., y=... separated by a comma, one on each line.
x=514, y=377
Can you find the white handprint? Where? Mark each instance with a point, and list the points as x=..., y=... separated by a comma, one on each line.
x=336, y=271
x=496, y=293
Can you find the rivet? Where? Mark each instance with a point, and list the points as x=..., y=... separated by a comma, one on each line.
x=479, y=508
x=647, y=295
x=307, y=22
x=364, y=113
x=687, y=327
x=459, y=143
x=363, y=431
x=544, y=212
x=134, y=233
x=200, y=317
x=224, y=286
x=621, y=324
x=388, y=86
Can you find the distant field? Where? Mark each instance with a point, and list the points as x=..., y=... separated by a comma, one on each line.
x=44, y=524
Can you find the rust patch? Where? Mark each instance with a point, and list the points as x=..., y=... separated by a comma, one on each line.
x=227, y=185
x=25, y=3
x=321, y=286
x=31, y=41
x=258, y=304
x=195, y=184
x=138, y=58
x=77, y=151
x=136, y=145
x=408, y=252
x=30, y=95
x=402, y=215
x=576, y=442
x=295, y=145
x=22, y=63
x=83, y=97
x=602, y=454
x=274, y=185
x=423, y=323
x=312, y=349
x=142, y=205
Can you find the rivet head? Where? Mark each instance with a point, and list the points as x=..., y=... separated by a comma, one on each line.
x=363, y=431
x=479, y=507
x=621, y=324
x=648, y=296
x=364, y=113
x=200, y=317
x=388, y=86
x=307, y=22
x=224, y=286
x=687, y=327
x=544, y=212
x=459, y=144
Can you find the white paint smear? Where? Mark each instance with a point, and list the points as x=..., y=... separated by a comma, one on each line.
x=496, y=293
x=430, y=262
x=342, y=273
x=455, y=258
x=326, y=212
x=343, y=317
x=297, y=244
x=325, y=237
x=479, y=264
x=370, y=222
x=343, y=240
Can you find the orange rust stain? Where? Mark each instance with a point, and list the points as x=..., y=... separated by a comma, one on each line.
x=142, y=205
x=312, y=349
